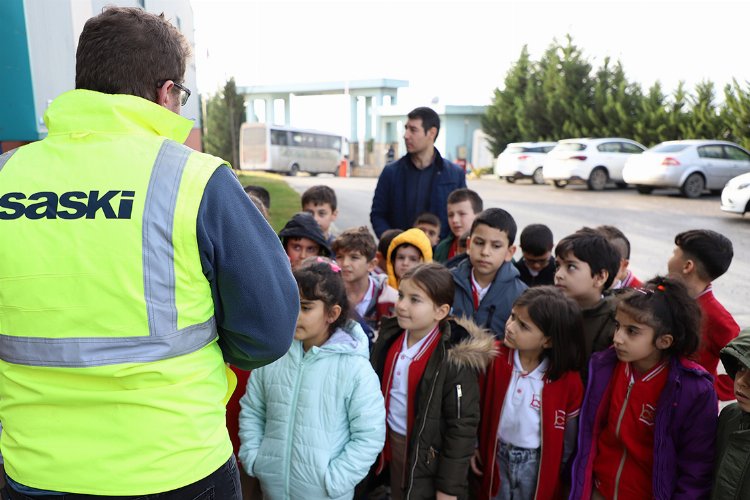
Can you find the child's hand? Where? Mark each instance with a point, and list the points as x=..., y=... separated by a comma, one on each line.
x=476, y=463
x=442, y=496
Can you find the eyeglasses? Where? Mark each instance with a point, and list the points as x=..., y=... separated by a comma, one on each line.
x=184, y=91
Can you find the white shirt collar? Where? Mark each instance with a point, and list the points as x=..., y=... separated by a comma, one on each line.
x=537, y=373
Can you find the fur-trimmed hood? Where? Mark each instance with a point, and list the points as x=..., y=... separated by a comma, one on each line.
x=473, y=346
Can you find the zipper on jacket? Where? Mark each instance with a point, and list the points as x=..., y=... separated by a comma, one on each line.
x=290, y=433
x=459, y=394
x=617, y=434
x=421, y=429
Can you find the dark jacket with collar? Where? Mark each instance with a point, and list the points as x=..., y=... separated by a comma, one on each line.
x=447, y=407
x=732, y=473
x=389, y=201
x=545, y=277
x=494, y=309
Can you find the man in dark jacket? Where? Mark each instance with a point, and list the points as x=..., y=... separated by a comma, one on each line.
x=418, y=182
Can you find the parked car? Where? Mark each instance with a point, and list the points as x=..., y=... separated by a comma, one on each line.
x=692, y=166
x=593, y=161
x=522, y=160
x=735, y=197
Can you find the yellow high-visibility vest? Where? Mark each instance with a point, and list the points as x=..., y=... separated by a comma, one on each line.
x=111, y=379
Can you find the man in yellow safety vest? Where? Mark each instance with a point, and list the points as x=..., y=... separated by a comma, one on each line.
x=132, y=269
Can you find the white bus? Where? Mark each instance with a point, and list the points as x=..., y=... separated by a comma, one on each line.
x=289, y=150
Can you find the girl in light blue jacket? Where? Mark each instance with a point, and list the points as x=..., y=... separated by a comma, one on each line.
x=313, y=422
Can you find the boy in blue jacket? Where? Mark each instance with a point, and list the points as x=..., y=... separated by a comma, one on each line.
x=487, y=283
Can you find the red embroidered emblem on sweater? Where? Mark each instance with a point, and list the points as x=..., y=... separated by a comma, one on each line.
x=648, y=415
x=560, y=419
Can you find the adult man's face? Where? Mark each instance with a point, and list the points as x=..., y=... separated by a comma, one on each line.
x=417, y=139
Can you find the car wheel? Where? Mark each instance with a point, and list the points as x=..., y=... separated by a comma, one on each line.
x=693, y=186
x=510, y=180
x=644, y=189
x=537, y=176
x=560, y=184
x=598, y=179
x=293, y=170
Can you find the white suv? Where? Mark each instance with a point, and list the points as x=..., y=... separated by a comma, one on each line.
x=593, y=161
x=523, y=160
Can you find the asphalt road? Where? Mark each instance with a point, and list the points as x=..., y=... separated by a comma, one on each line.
x=649, y=221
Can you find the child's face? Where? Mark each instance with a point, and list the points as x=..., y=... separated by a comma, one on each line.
x=488, y=249
x=432, y=232
x=354, y=265
x=742, y=387
x=415, y=310
x=573, y=277
x=298, y=249
x=676, y=265
x=323, y=214
x=536, y=262
x=460, y=217
x=523, y=335
x=313, y=322
x=407, y=257
x=634, y=342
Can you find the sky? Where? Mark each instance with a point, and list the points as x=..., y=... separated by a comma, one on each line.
x=459, y=51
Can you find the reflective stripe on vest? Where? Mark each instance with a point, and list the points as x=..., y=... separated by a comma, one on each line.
x=165, y=340
x=5, y=157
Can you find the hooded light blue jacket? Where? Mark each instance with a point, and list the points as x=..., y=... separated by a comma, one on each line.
x=312, y=423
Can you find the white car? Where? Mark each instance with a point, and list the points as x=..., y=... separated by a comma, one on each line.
x=692, y=166
x=735, y=197
x=593, y=161
x=522, y=160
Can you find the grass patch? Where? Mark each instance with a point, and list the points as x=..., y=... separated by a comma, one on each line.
x=285, y=201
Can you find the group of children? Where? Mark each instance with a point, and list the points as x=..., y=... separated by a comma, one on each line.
x=484, y=380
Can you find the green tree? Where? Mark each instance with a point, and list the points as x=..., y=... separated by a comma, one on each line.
x=651, y=126
x=225, y=113
x=500, y=122
x=678, y=114
x=737, y=112
x=616, y=103
x=705, y=120
x=567, y=85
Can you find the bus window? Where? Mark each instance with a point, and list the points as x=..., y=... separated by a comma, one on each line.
x=279, y=138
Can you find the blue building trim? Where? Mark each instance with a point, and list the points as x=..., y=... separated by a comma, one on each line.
x=17, y=113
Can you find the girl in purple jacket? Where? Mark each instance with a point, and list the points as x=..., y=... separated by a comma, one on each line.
x=649, y=415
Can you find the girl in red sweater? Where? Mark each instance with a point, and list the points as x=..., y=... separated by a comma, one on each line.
x=530, y=400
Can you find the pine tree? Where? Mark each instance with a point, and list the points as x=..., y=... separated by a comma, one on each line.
x=705, y=120
x=225, y=113
x=500, y=120
x=737, y=112
x=651, y=126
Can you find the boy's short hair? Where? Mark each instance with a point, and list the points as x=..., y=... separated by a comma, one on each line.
x=713, y=252
x=427, y=218
x=617, y=239
x=385, y=240
x=261, y=193
x=463, y=194
x=536, y=239
x=319, y=195
x=591, y=247
x=357, y=239
x=499, y=219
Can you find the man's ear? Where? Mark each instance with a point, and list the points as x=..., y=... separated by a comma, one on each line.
x=432, y=133
x=688, y=267
x=167, y=98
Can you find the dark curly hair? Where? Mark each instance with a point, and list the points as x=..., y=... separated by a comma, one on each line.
x=317, y=279
x=665, y=305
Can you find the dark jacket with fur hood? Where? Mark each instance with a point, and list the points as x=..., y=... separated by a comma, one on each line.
x=447, y=407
